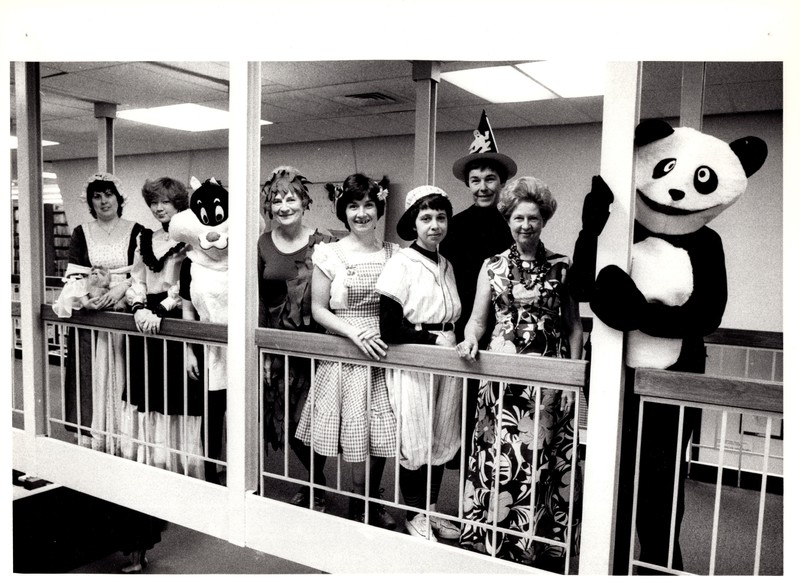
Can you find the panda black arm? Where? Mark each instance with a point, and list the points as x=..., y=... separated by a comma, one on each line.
x=702, y=312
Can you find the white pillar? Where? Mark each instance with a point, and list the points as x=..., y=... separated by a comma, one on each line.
x=426, y=78
x=243, y=178
x=105, y=113
x=604, y=423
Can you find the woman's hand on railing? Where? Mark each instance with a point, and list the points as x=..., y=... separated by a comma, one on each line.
x=567, y=401
x=192, y=369
x=468, y=349
x=368, y=341
x=147, y=321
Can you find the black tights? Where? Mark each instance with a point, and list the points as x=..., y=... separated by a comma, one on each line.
x=413, y=484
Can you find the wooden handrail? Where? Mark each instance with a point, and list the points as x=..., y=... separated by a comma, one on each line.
x=746, y=338
x=755, y=395
x=506, y=367
x=178, y=329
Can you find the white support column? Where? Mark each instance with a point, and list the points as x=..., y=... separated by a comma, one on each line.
x=604, y=423
x=243, y=177
x=31, y=248
x=105, y=113
x=693, y=88
x=426, y=76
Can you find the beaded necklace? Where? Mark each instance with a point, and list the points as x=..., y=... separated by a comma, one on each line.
x=529, y=268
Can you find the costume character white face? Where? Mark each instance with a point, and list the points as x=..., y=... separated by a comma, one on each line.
x=686, y=178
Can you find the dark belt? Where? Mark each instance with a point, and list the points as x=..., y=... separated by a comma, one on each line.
x=437, y=326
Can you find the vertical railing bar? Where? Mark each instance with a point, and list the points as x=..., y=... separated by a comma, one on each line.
x=149, y=454
x=262, y=356
x=92, y=364
x=501, y=387
x=574, y=475
x=312, y=405
x=774, y=364
x=746, y=362
x=718, y=494
x=636, y=484
x=534, y=461
x=339, y=455
x=168, y=444
x=740, y=452
x=78, y=411
x=63, y=369
x=185, y=421
x=367, y=468
x=465, y=446
x=429, y=472
x=675, y=485
x=46, y=380
x=286, y=419
x=398, y=400
x=204, y=372
x=762, y=497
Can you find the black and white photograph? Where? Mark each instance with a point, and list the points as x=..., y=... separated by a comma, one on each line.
x=470, y=289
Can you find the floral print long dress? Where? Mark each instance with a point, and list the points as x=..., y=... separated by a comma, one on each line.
x=532, y=455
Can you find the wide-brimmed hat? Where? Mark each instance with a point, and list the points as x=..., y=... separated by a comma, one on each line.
x=405, y=226
x=484, y=147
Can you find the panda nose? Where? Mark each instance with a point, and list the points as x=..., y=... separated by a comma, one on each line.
x=677, y=194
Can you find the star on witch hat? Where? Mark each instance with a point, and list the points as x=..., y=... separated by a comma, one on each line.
x=484, y=147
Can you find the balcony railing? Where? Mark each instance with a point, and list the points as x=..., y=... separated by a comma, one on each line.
x=277, y=474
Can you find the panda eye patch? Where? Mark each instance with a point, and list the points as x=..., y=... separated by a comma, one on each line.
x=204, y=215
x=664, y=167
x=705, y=180
x=219, y=214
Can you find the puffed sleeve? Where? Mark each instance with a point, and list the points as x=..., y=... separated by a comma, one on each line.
x=74, y=289
x=394, y=281
x=325, y=259
x=137, y=293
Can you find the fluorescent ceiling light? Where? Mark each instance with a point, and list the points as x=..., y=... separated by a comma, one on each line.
x=13, y=142
x=568, y=78
x=503, y=84
x=186, y=116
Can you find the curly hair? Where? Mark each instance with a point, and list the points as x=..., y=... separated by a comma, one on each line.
x=166, y=189
x=282, y=180
x=527, y=189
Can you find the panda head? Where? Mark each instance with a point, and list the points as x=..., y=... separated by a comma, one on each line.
x=685, y=178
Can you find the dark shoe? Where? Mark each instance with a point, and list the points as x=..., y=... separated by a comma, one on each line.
x=300, y=498
x=378, y=516
x=320, y=503
x=356, y=510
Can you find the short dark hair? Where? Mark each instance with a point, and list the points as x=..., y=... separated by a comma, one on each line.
x=103, y=186
x=354, y=188
x=173, y=191
x=432, y=202
x=485, y=164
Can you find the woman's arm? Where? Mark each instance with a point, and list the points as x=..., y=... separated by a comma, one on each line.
x=476, y=326
x=572, y=326
x=368, y=340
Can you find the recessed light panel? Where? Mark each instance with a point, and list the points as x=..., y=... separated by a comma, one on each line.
x=503, y=84
x=185, y=116
x=568, y=78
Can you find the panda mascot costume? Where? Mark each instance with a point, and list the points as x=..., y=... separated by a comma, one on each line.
x=673, y=297
x=204, y=288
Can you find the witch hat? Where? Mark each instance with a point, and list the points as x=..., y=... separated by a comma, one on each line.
x=484, y=146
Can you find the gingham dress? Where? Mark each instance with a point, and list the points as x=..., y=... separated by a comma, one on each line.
x=340, y=421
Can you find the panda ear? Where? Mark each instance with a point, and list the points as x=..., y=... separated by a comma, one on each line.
x=752, y=152
x=651, y=130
